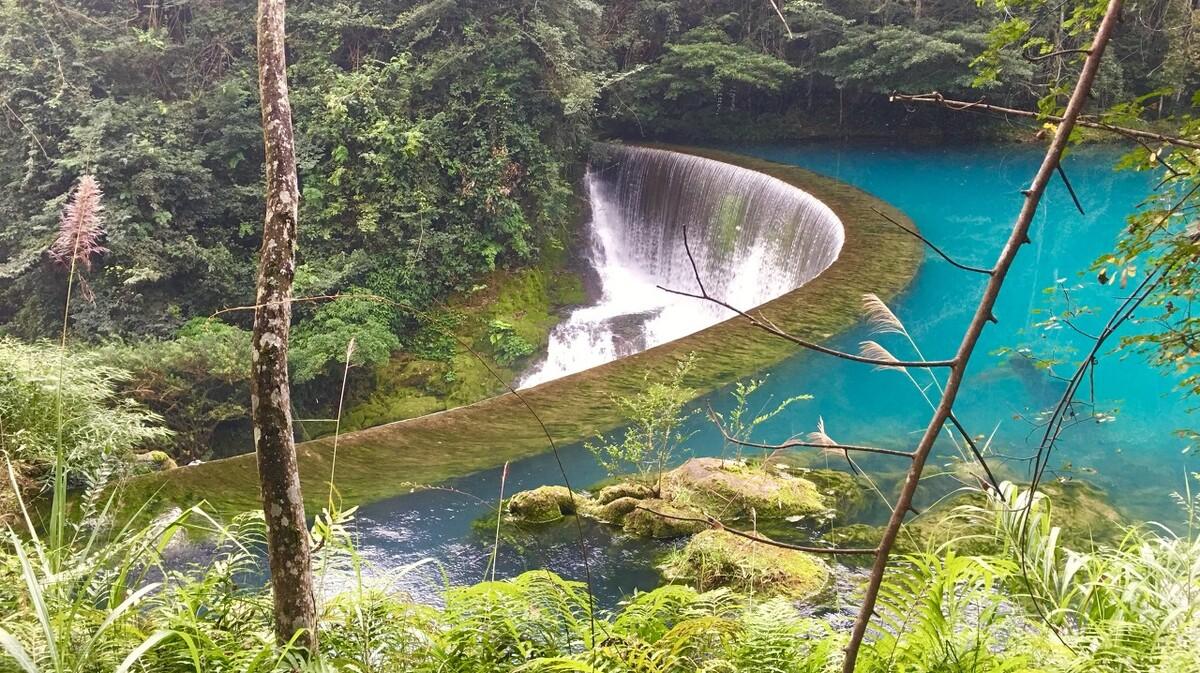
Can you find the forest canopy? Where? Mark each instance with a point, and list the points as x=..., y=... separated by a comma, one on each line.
x=437, y=142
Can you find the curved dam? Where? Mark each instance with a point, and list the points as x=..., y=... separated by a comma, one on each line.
x=752, y=238
x=757, y=230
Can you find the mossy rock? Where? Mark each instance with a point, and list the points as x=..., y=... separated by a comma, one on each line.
x=645, y=520
x=854, y=536
x=731, y=489
x=613, y=512
x=1081, y=510
x=153, y=461
x=718, y=558
x=624, y=489
x=845, y=493
x=544, y=504
x=1084, y=513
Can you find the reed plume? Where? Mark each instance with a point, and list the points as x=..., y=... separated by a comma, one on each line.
x=873, y=350
x=79, y=231
x=81, y=227
x=819, y=436
x=880, y=317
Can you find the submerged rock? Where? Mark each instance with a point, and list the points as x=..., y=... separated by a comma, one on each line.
x=730, y=489
x=1079, y=509
x=718, y=558
x=544, y=504
x=843, y=492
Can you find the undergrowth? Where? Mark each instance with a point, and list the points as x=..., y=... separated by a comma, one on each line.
x=122, y=600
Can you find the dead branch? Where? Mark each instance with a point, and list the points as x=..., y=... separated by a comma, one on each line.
x=717, y=525
x=917, y=235
x=1054, y=54
x=797, y=444
x=983, y=314
x=936, y=98
x=771, y=328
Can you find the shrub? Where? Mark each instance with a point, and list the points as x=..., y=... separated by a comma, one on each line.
x=507, y=345
x=97, y=428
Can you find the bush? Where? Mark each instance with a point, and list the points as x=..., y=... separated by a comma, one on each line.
x=50, y=398
x=507, y=346
x=197, y=381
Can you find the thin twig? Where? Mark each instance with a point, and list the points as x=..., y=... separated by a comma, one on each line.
x=938, y=99
x=1070, y=190
x=717, y=525
x=930, y=244
x=794, y=444
x=770, y=328
x=1053, y=54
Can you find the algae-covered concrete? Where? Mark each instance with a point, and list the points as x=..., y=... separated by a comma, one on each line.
x=390, y=459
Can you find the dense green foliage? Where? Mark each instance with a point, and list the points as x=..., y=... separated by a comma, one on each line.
x=433, y=143
x=439, y=141
x=738, y=69
x=436, y=140
x=66, y=403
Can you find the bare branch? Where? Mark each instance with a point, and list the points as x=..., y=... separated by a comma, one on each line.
x=794, y=443
x=1070, y=190
x=770, y=328
x=983, y=314
x=717, y=525
x=1054, y=54
x=936, y=98
x=926, y=241
x=975, y=451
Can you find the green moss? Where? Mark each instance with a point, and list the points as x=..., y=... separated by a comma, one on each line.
x=383, y=461
x=841, y=491
x=153, y=461
x=854, y=536
x=732, y=490
x=543, y=505
x=613, y=511
x=718, y=558
x=624, y=489
x=647, y=520
x=408, y=386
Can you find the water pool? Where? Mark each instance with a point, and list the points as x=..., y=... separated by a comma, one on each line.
x=965, y=199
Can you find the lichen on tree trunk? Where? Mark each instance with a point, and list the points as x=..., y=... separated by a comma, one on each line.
x=288, y=552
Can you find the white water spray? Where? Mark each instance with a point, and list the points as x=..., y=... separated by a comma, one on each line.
x=753, y=238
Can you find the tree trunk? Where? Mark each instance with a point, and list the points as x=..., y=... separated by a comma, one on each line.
x=288, y=552
x=1018, y=237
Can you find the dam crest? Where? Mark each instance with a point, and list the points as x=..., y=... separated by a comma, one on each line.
x=752, y=238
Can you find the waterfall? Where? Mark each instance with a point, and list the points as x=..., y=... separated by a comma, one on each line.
x=753, y=238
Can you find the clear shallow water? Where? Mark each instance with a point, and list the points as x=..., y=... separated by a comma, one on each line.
x=965, y=199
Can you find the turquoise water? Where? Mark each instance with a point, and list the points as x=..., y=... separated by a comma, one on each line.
x=965, y=199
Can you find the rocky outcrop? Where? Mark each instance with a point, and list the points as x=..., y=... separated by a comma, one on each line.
x=697, y=491
x=731, y=490
x=718, y=558
x=544, y=504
